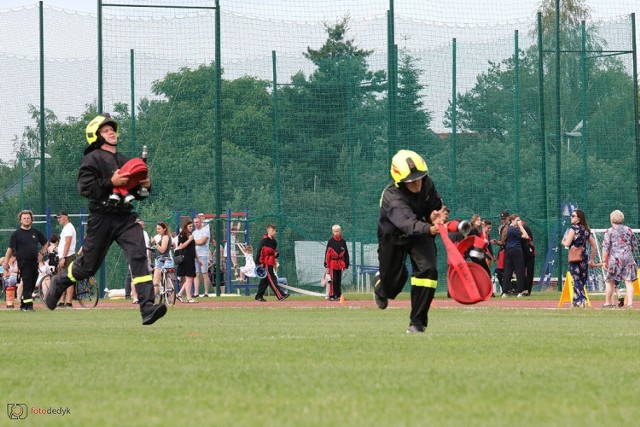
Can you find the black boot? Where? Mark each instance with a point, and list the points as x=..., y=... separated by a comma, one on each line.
x=58, y=285
x=150, y=312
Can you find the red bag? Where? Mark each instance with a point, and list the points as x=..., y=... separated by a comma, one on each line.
x=501, y=259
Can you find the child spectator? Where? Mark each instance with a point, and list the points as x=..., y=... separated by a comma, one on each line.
x=249, y=267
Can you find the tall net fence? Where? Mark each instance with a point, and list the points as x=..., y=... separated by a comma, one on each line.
x=308, y=126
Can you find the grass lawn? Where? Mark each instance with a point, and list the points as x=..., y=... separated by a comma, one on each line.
x=341, y=366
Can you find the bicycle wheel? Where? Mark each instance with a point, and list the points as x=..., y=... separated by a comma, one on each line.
x=87, y=292
x=42, y=286
x=170, y=288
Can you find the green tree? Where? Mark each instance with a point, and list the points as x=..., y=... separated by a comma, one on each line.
x=413, y=117
x=336, y=107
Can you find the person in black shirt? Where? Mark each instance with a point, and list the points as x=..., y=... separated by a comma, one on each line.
x=24, y=243
x=109, y=221
x=410, y=211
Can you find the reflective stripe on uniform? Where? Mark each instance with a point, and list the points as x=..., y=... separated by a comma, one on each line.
x=426, y=283
x=382, y=196
x=141, y=279
x=27, y=301
x=70, y=272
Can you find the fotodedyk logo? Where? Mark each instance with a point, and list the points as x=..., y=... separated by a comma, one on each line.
x=20, y=411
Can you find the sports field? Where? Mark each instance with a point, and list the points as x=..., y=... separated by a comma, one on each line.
x=312, y=363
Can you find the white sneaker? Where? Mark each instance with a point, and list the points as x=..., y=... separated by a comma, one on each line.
x=504, y=295
x=522, y=294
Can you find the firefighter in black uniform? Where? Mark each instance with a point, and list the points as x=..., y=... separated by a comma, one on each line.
x=109, y=221
x=336, y=259
x=266, y=258
x=410, y=210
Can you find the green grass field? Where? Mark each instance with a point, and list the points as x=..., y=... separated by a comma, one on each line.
x=341, y=366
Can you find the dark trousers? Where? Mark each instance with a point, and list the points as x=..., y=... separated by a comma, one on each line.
x=529, y=265
x=270, y=281
x=335, y=287
x=29, y=276
x=513, y=263
x=102, y=231
x=393, y=273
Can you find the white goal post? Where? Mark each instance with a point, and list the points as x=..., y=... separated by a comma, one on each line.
x=596, y=281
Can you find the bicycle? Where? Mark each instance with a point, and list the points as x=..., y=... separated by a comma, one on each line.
x=166, y=291
x=85, y=291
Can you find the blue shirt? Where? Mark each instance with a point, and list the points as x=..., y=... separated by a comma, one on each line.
x=513, y=238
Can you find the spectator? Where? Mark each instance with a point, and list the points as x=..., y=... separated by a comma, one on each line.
x=230, y=249
x=618, y=248
x=476, y=225
x=266, y=258
x=280, y=280
x=500, y=242
x=187, y=268
x=529, y=257
x=477, y=230
x=11, y=274
x=201, y=236
x=487, y=226
x=336, y=260
x=578, y=235
x=250, y=266
x=100, y=172
x=24, y=244
x=162, y=244
x=213, y=268
x=52, y=252
x=66, y=253
x=513, y=258
x=174, y=240
x=410, y=211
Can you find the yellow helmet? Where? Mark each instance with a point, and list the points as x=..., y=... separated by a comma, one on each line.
x=94, y=126
x=407, y=166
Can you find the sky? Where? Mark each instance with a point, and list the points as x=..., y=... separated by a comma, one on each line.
x=88, y=6
x=465, y=10
x=248, y=41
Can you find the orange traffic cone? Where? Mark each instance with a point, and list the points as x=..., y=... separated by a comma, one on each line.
x=342, y=299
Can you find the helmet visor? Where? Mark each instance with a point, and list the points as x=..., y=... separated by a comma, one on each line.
x=414, y=176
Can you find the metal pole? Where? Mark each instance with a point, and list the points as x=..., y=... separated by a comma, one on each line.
x=636, y=117
x=558, y=139
x=352, y=165
x=132, y=131
x=99, y=57
x=516, y=120
x=21, y=168
x=585, y=140
x=102, y=272
x=218, y=144
x=276, y=131
x=392, y=80
x=43, y=135
x=454, y=129
x=542, y=135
